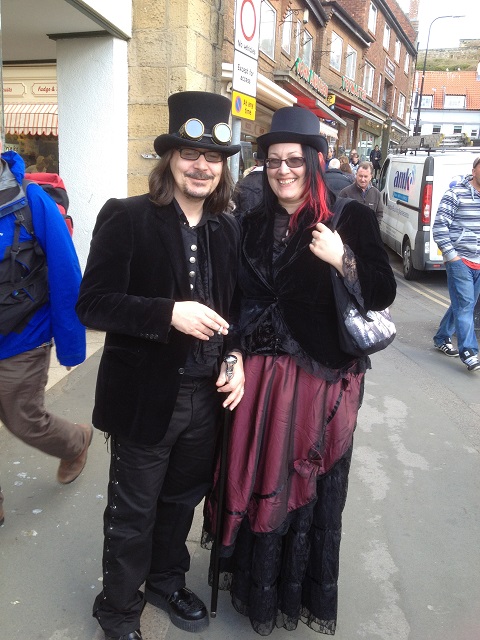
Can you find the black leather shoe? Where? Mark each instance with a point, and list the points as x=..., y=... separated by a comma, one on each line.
x=133, y=635
x=186, y=610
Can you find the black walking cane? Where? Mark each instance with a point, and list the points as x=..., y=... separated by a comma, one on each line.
x=222, y=479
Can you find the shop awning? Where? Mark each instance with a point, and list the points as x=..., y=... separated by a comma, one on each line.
x=321, y=110
x=34, y=119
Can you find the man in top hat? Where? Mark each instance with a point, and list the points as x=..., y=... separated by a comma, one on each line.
x=159, y=281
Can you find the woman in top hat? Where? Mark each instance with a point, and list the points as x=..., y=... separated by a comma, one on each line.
x=292, y=434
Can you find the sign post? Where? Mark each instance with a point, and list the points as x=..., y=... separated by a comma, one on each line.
x=245, y=69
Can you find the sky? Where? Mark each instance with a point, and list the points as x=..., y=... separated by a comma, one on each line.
x=447, y=32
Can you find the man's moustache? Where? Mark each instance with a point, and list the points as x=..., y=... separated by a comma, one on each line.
x=198, y=175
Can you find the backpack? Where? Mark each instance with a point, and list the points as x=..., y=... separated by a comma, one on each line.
x=23, y=273
x=52, y=184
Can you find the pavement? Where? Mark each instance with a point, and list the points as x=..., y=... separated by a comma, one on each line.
x=410, y=567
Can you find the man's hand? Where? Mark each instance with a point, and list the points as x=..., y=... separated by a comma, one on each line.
x=235, y=387
x=197, y=320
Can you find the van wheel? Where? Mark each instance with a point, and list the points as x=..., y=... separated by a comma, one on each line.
x=409, y=272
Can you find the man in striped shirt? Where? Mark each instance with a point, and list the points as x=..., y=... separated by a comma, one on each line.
x=457, y=233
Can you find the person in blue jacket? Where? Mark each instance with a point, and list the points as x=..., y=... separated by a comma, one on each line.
x=25, y=349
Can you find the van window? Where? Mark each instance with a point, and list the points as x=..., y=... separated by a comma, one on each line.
x=383, y=174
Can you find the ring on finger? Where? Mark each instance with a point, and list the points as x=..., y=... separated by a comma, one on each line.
x=313, y=241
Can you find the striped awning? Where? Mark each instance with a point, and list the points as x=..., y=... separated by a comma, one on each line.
x=34, y=119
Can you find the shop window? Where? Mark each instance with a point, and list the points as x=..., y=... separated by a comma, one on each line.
x=406, y=64
x=287, y=32
x=398, y=48
x=351, y=63
x=372, y=18
x=401, y=106
x=368, y=78
x=386, y=37
x=336, y=51
x=268, y=21
x=307, y=48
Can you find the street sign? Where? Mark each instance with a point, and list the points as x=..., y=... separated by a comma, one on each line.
x=245, y=72
x=243, y=106
x=247, y=27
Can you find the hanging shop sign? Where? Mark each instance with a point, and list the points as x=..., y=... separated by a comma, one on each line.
x=389, y=68
x=353, y=88
x=303, y=71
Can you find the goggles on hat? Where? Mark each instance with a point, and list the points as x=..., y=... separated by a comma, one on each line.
x=193, y=129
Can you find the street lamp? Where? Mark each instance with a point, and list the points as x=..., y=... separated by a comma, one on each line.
x=416, y=131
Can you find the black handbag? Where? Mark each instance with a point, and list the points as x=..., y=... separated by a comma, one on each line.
x=360, y=332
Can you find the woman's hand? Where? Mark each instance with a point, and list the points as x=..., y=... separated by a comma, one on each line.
x=328, y=246
x=235, y=386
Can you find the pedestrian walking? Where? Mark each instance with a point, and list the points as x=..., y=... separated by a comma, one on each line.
x=363, y=190
x=39, y=281
x=292, y=434
x=456, y=231
x=159, y=281
x=375, y=159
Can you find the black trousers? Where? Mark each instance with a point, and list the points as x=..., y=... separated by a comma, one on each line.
x=152, y=494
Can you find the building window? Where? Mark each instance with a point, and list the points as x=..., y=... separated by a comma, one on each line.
x=287, y=32
x=379, y=88
x=427, y=101
x=474, y=133
x=406, y=65
x=336, y=51
x=398, y=47
x=368, y=78
x=386, y=37
x=372, y=18
x=307, y=48
x=298, y=30
x=457, y=129
x=268, y=21
x=351, y=63
x=454, y=102
x=436, y=128
x=401, y=106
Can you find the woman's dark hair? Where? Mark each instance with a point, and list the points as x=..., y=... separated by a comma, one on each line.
x=161, y=186
x=318, y=196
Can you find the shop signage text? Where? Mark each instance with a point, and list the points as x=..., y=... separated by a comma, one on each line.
x=389, y=68
x=12, y=89
x=313, y=79
x=44, y=89
x=353, y=88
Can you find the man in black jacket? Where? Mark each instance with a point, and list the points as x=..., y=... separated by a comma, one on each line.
x=335, y=179
x=159, y=280
x=249, y=190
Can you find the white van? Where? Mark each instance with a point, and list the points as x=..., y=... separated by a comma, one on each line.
x=412, y=187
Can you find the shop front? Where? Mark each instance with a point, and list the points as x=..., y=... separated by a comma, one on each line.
x=30, y=115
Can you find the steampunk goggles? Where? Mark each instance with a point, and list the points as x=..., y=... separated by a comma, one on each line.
x=194, y=129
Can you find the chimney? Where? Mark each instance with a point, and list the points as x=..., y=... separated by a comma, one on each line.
x=413, y=14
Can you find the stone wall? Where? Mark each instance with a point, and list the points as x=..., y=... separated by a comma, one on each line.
x=176, y=45
x=466, y=57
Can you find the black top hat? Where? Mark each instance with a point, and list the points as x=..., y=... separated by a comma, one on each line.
x=200, y=108
x=295, y=124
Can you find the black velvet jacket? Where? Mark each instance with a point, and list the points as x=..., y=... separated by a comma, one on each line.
x=135, y=272
x=288, y=305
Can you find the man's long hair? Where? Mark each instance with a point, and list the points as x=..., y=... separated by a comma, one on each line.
x=162, y=186
x=318, y=197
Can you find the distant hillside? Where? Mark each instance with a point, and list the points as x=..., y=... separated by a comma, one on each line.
x=465, y=58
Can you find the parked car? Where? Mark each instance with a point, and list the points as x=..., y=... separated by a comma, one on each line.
x=412, y=186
